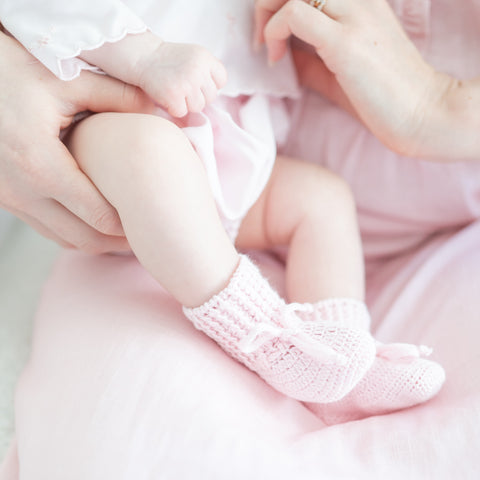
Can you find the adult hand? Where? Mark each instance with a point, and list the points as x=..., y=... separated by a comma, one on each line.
x=40, y=182
x=367, y=64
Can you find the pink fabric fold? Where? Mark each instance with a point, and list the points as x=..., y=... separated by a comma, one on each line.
x=122, y=386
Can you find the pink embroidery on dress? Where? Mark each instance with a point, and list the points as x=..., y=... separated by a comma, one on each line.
x=43, y=41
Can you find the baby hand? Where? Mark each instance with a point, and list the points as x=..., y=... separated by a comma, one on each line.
x=181, y=77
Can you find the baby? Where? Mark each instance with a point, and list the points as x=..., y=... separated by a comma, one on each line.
x=200, y=180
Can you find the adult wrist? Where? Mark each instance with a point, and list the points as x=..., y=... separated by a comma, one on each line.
x=450, y=128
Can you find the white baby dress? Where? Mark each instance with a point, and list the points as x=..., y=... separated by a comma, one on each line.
x=236, y=137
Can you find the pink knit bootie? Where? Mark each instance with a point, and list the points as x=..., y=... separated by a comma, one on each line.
x=317, y=361
x=346, y=312
x=398, y=379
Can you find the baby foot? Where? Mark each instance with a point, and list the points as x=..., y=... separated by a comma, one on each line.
x=399, y=378
x=181, y=77
x=317, y=361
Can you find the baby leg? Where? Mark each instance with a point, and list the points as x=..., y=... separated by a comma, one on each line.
x=312, y=211
x=147, y=169
x=292, y=211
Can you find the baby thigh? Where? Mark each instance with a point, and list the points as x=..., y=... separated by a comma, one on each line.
x=122, y=153
x=311, y=211
x=147, y=169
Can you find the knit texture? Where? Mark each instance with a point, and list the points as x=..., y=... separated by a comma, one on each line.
x=341, y=311
x=317, y=360
x=388, y=386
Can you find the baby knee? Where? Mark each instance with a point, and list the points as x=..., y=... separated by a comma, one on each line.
x=329, y=195
x=155, y=136
x=312, y=192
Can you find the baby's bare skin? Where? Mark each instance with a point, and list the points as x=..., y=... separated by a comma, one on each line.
x=179, y=77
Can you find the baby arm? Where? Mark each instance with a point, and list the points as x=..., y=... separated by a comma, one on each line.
x=180, y=77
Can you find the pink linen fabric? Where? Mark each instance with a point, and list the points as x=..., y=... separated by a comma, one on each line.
x=121, y=386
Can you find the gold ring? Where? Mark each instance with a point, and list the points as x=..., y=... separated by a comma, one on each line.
x=318, y=4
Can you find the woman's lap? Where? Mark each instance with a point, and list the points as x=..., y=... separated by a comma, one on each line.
x=124, y=387
x=120, y=385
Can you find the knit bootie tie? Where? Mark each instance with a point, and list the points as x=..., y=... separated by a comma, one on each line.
x=399, y=378
x=316, y=361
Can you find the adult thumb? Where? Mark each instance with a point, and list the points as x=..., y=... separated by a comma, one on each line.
x=101, y=93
